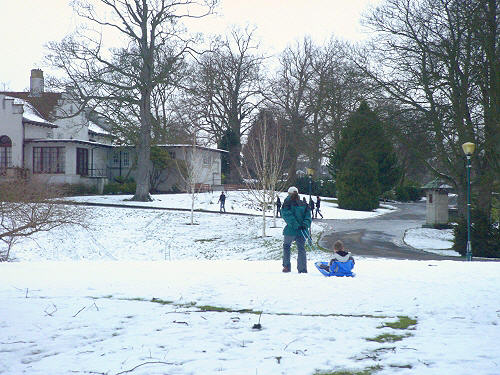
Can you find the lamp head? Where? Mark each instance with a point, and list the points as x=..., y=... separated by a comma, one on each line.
x=468, y=148
x=310, y=171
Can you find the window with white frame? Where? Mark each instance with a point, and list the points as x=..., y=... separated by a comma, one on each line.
x=125, y=159
x=49, y=159
x=5, y=152
x=206, y=159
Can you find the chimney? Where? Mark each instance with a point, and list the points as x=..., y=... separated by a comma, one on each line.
x=36, y=82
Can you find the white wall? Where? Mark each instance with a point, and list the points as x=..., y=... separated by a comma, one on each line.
x=37, y=132
x=73, y=127
x=11, y=125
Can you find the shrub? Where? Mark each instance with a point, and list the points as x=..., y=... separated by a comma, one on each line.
x=485, y=236
x=408, y=193
x=357, y=184
x=120, y=188
x=78, y=189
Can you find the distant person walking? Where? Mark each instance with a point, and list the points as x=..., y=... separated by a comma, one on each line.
x=222, y=201
x=304, y=200
x=318, y=204
x=311, y=207
x=297, y=216
x=278, y=207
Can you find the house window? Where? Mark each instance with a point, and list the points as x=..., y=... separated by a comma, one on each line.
x=82, y=161
x=48, y=159
x=5, y=152
x=126, y=161
x=116, y=158
x=172, y=154
x=206, y=160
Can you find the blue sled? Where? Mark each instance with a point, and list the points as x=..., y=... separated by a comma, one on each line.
x=337, y=268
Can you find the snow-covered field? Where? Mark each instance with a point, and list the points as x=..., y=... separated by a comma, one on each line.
x=142, y=292
x=237, y=201
x=137, y=234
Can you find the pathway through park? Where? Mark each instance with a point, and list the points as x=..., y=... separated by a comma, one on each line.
x=381, y=236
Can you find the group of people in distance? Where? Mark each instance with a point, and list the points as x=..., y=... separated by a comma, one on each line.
x=312, y=206
x=298, y=215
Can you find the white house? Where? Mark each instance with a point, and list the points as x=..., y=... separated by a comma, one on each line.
x=36, y=135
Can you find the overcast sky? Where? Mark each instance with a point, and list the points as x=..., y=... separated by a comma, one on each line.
x=27, y=25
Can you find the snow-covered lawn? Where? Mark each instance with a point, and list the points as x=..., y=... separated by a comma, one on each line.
x=137, y=234
x=141, y=292
x=237, y=201
x=439, y=241
x=98, y=318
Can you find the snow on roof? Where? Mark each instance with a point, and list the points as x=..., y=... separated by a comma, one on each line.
x=53, y=140
x=95, y=128
x=30, y=114
x=189, y=145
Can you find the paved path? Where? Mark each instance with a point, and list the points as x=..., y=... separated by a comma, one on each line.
x=381, y=236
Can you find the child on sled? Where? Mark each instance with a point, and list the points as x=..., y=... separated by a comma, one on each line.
x=339, y=255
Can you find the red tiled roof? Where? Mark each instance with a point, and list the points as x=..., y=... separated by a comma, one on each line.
x=45, y=103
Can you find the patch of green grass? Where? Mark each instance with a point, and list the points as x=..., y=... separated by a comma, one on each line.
x=387, y=337
x=133, y=299
x=227, y=309
x=161, y=301
x=404, y=322
x=367, y=371
x=207, y=239
x=401, y=366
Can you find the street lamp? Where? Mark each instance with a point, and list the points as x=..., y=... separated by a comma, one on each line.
x=468, y=151
x=310, y=173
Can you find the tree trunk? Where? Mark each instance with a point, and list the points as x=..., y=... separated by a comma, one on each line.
x=264, y=206
x=234, y=164
x=143, y=153
x=192, y=204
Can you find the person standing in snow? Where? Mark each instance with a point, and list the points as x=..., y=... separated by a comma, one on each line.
x=222, y=201
x=318, y=204
x=278, y=207
x=297, y=216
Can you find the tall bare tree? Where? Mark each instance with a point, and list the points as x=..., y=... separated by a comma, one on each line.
x=289, y=91
x=226, y=91
x=263, y=163
x=124, y=77
x=440, y=60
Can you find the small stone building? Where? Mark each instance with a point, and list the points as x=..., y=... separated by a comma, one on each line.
x=437, y=203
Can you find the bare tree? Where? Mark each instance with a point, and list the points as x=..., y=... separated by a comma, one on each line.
x=288, y=92
x=124, y=78
x=27, y=207
x=263, y=164
x=193, y=170
x=440, y=60
x=226, y=91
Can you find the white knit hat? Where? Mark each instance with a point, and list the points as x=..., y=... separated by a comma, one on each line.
x=293, y=189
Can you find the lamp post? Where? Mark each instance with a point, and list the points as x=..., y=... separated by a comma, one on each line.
x=310, y=173
x=468, y=151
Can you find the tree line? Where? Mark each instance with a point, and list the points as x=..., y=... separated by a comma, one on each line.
x=427, y=81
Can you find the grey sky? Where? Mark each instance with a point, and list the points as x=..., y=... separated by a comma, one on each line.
x=27, y=25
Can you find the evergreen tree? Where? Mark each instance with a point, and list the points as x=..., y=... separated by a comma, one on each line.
x=358, y=185
x=364, y=131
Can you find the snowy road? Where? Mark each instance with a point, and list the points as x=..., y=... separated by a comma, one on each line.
x=381, y=236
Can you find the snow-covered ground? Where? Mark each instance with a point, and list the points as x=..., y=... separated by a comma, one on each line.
x=236, y=201
x=438, y=241
x=98, y=318
x=137, y=234
x=141, y=292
